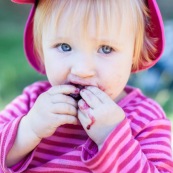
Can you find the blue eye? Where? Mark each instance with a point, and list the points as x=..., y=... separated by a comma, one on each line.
x=63, y=47
x=105, y=49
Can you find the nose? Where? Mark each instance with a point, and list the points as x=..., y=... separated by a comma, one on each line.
x=83, y=67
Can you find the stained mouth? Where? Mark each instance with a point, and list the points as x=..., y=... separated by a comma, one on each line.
x=77, y=97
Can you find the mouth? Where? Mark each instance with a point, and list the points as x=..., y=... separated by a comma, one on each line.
x=77, y=97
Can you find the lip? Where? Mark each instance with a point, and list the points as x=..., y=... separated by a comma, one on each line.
x=82, y=82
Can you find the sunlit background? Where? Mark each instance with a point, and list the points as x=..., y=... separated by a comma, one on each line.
x=15, y=73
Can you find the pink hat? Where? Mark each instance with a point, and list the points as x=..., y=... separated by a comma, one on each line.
x=157, y=32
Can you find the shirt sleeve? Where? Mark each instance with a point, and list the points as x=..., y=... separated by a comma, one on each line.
x=149, y=151
x=9, y=121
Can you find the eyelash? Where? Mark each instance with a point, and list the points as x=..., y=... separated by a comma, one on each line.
x=109, y=48
x=61, y=44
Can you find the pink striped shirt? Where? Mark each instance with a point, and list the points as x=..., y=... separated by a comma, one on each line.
x=140, y=143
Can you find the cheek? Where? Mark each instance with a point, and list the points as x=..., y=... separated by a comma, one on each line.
x=115, y=86
x=56, y=72
x=114, y=81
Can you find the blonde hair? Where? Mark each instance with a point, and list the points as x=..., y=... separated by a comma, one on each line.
x=132, y=13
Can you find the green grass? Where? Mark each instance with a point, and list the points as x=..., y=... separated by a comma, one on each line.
x=15, y=70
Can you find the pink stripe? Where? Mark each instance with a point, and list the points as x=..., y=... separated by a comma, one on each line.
x=63, y=144
x=134, y=145
x=4, y=119
x=77, y=166
x=64, y=167
x=123, y=153
x=49, y=152
x=134, y=162
x=144, y=118
x=164, y=164
x=155, y=110
x=144, y=110
x=12, y=114
x=156, y=141
x=69, y=136
x=153, y=136
x=56, y=139
x=42, y=158
x=132, y=152
x=75, y=129
x=55, y=151
x=7, y=137
x=157, y=151
x=22, y=102
x=116, y=141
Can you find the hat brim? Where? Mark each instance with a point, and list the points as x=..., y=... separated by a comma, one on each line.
x=156, y=32
x=24, y=1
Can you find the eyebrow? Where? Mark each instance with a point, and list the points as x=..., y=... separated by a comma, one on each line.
x=96, y=40
x=60, y=39
x=107, y=41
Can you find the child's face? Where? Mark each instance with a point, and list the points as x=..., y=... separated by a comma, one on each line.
x=90, y=60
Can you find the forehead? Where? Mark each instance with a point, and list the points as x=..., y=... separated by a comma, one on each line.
x=85, y=18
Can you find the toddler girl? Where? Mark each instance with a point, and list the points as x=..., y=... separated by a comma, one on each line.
x=85, y=118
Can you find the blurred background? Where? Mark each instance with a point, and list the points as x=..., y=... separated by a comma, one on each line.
x=15, y=72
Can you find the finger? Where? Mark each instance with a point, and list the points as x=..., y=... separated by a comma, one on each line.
x=64, y=108
x=62, y=119
x=63, y=89
x=84, y=120
x=102, y=96
x=84, y=108
x=60, y=98
x=91, y=99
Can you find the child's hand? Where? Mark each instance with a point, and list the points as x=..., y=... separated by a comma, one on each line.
x=52, y=109
x=98, y=107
